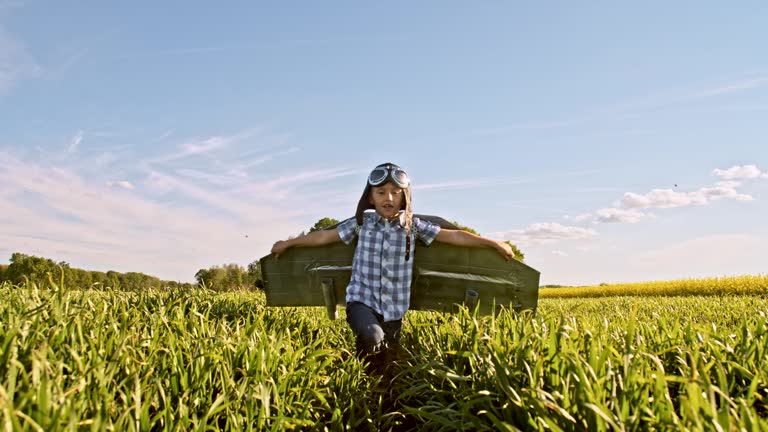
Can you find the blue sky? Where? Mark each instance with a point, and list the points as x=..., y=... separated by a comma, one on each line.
x=611, y=142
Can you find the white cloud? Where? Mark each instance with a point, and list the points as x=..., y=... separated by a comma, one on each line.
x=662, y=198
x=668, y=198
x=615, y=215
x=559, y=253
x=74, y=143
x=729, y=184
x=657, y=198
x=739, y=172
x=583, y=217
x=542, y=233
x=123, y=184
x=718, y=192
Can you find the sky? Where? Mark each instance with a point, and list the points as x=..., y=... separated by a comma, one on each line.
x=611, y=141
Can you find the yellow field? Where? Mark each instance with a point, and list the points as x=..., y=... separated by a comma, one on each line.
x=736, y=285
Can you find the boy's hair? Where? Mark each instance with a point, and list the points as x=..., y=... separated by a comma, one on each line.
x=365, y=203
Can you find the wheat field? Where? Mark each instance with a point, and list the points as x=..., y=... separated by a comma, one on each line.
x=198, y=360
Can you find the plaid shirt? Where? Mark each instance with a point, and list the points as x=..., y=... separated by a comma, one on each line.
x=381, y=277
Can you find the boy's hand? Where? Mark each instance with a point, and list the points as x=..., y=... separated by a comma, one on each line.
x=504, y=250
x=279, y=247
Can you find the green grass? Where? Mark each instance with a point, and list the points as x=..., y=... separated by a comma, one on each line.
x=110, y=360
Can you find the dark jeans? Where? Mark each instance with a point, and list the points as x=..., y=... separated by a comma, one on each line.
x=373, y=334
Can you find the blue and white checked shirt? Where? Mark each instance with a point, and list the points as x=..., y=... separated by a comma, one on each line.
x=381, y=277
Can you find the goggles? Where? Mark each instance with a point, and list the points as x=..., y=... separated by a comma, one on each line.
x=385, y=172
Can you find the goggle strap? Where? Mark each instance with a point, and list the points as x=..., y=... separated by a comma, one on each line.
x=407, y=246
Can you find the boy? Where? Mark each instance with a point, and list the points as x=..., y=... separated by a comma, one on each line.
x=379, y=290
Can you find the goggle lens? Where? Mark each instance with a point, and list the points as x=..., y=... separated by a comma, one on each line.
x=400, y=178
x=379, y=175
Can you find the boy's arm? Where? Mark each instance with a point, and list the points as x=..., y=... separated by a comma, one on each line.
x=317, y=238
x=463, y=238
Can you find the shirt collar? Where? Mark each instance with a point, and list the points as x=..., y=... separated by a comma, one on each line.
x=377, y=218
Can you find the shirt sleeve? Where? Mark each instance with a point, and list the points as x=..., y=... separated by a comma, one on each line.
x=347, y=230
x=425, y=230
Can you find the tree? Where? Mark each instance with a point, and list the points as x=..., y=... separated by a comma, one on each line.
x=98, y=279
x=235, y=275
x=465, y=228
x=133, y=281
x=113, y=279
x=34, y=269
x=38, y=270
x=255, y=278
x=227, y=277
x=213, y=278
x=323, y=223
x=519, y=255
x=77, y=278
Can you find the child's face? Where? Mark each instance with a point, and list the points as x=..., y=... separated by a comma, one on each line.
x=387, y=199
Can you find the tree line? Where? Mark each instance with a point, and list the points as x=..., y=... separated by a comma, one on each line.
x=42, y=271
x=228, y=277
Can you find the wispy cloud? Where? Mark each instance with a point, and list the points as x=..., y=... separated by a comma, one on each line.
x=234, y=206
x=264, y=158
x=215, y=179
x=186, y=51
x=532, y=125
x=74, y=143
x=16, y=63
x=212, y=176
x=204, y=146
x=733, y=87
x=632, y=107
x=54, y=209
x=544, y=233
x=170, y=52
x=312, y=175
x=162, y=136
x=467, y=184
x=200, y=146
